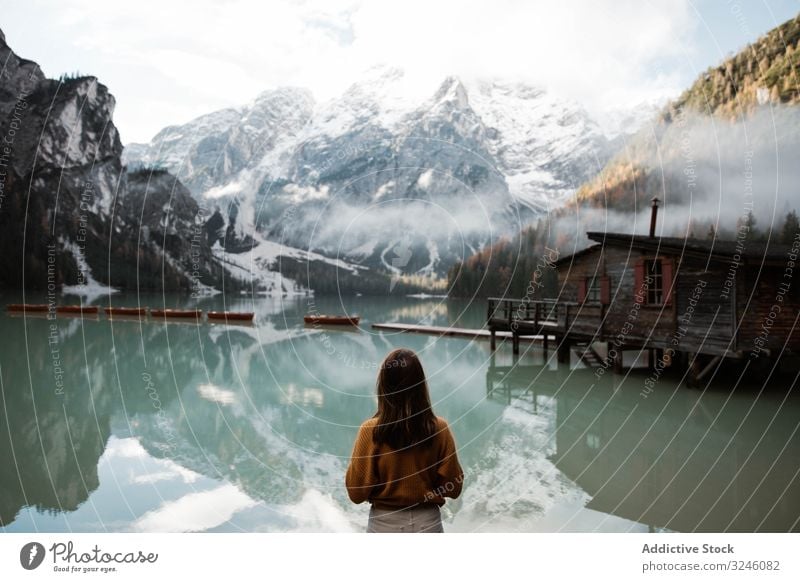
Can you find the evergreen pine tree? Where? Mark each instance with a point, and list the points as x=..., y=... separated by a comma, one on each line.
x=791, y=227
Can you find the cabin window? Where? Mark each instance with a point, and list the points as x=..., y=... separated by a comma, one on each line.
x=655, y=290
x=653, y=281
x=593, y=289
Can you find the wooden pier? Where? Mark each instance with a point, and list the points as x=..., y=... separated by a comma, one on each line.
x=462, y=332
x=557, y=320
x=577, y=328
x=518, y=319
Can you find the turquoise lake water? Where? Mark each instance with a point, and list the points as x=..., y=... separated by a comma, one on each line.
x=151, y=426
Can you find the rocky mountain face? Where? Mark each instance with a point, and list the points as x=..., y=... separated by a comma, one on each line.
x=70, y=215
x=405, y=182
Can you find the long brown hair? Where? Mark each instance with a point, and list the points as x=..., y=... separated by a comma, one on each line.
x=405, y=417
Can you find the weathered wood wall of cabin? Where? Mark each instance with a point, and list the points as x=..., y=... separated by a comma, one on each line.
x=623, y=311
x=759, y=320
x=573, y=271
x=703, y=310
x=655, y=321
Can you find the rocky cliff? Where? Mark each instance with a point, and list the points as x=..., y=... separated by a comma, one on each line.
x=70, y=215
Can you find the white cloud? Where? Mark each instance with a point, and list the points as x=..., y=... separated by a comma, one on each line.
x=229, y=189
x=425, y=179
x=161, y=469
x=582, y=48
x=304, y=194
x=216, y=394
x=195, y=511
x=167, y=61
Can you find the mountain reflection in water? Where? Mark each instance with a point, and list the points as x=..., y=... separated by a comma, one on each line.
x=186, y=427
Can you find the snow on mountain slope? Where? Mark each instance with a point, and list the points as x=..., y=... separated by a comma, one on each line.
x=258, y=266
x=213, y=149
x=450, y=166
x=546, y=147
x=384, y=96
x=172, y=145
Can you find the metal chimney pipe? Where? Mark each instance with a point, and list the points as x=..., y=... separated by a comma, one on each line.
x=653, y=215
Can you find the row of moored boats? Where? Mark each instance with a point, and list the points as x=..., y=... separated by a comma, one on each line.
x=196, y=314
x=186, y=314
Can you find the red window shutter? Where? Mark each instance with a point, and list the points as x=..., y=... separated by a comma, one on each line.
x=667, y=270
x=582, y=290
x=639, y=292
x=605, y=291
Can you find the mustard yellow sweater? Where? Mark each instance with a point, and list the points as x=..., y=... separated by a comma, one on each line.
x=388, y=478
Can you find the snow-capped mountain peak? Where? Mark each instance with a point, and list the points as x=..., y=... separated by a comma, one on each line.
x=452, y=93
x=488, y=155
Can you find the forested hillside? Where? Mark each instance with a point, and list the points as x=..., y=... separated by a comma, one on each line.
x=721, y=158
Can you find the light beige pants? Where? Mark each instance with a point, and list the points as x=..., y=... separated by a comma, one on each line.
x=420, y=519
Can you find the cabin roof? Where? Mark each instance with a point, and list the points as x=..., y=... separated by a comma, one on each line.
x=573, y=256
x=750, y=251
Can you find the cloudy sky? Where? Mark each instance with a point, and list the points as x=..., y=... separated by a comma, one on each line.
x=168, y=61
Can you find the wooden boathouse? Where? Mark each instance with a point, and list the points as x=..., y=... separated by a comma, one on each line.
x=687, y=301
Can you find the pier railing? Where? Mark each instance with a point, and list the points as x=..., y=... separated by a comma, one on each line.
x=586, y=322
x=508, y=313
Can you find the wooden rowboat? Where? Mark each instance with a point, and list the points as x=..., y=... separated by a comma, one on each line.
x=126, y=311
x=231, y=315
x=78, y=309
x=181, y=313
x=331, y=320
x=32, y=307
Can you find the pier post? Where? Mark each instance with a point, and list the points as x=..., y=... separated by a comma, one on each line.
x=492, y=340
x=515, y=343
x=618, y=368
x=491, y=373
x=698, y=372
x=562, y=351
